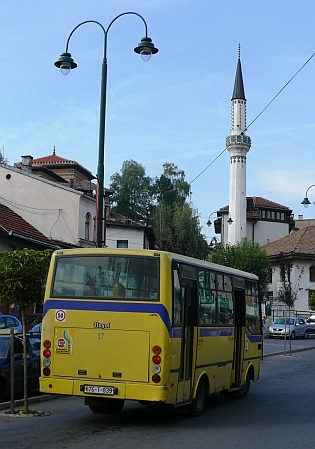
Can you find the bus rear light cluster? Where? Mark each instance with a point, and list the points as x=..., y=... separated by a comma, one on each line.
x=47, y=355
x=156, y=368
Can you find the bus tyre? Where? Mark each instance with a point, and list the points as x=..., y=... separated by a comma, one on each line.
x=244, y=388
x=108, y=406
x=198, y=403
x=113, y=405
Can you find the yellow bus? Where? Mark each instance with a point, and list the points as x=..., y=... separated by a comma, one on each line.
x=148, y=326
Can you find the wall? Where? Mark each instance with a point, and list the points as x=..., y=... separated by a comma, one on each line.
x=56, y=211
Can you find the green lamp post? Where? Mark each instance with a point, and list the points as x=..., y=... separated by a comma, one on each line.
x=65, y=63
x=306, y=202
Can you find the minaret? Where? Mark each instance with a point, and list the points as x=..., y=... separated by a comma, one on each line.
x=238, y=144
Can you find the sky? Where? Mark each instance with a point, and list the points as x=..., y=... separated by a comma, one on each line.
x=174, y=108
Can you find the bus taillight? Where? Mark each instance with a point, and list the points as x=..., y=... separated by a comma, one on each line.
x=156, y=359
x=156, y=378
x=47, y=353
x=46, y=360
x=156, y=349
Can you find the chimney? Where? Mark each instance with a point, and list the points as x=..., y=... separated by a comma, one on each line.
x=27, y=163
x=300, y=217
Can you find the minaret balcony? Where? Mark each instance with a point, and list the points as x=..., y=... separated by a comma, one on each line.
x=239, y=140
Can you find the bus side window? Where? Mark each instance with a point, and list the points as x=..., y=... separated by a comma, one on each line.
x=177, y=299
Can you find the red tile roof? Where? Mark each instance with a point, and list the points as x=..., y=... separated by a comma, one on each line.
x=301, y=242
x=52, y=159
x=11, y=221
x=259, y=201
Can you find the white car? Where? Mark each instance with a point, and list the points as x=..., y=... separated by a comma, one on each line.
x=288, y=327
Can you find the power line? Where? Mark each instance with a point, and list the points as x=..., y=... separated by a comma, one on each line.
x=257, y=115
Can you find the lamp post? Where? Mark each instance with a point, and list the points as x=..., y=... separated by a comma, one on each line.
x=209, y=223
x=306, y=201
x=145, y=48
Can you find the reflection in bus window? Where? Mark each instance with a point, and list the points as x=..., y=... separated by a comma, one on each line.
x=99, y=276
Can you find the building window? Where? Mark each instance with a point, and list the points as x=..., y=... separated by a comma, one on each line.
x=312, y=273
x=122, y=243
x=270, y=276
x=311, y=293
x=88, y=220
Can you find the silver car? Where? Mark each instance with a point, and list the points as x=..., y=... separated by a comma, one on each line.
x=288, y=327
x=310, y=331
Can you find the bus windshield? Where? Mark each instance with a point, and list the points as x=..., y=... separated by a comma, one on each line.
x=106, y=276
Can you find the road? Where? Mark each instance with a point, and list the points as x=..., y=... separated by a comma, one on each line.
x=277, y=412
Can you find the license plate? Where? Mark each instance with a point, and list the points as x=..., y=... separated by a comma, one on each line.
x=93, y=389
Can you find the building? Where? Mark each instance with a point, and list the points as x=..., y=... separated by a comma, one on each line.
x=17, y=233
x=266, y=221
x=57, y=197
x=238, y=145
x=298, y=248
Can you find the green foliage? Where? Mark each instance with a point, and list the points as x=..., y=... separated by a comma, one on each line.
x=22, y=281
x=162, y=203
x=171, y=188
x=245, y=255
x=311, y=302
x=22, y=276
x=133, y=190
x=178, y=230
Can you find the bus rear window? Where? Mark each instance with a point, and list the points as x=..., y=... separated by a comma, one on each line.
x=103, y=277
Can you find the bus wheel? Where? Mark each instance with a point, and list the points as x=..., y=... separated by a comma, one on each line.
x=112, y=405
x=244, y=389
x=198, y=403
x=96, y=408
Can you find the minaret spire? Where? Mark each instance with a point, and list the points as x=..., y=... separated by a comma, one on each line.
x=238, y=144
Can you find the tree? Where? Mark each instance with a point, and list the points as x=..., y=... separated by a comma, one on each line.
x=287, y=293
x=133, y=195
x=245, y=255
x=311, y=302
x=22, y=281
x=171, y=188
x=178, y=230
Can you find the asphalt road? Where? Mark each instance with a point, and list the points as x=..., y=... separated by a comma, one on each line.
x=277, y=412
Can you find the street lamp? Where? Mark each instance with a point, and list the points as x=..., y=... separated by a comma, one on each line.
x=145, y=48
x=209, y=223
x=306, y=201
x=230, y=221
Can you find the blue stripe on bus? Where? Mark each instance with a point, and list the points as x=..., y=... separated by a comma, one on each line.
x=100, y=306
x=216, y=331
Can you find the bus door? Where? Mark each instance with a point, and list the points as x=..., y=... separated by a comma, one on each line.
x=239, y=337
x=189, y=339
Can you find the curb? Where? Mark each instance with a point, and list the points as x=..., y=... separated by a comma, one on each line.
x=4, y=406
x=287, y=352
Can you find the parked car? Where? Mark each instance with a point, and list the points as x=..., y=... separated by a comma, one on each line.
x=33, y=363
x=31, y=320
x=36, y=329
x=10, y=322
x=310, y=330
x=289, y=327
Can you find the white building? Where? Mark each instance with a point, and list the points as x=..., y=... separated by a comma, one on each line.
x=298, y=248
x=238, y=144
x=266, y=221
x=57, y=197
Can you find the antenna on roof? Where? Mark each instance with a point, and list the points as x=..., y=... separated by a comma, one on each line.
x=54, y=152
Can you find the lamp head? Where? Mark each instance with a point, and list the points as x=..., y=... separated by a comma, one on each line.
x=209, y=223
x=305, y=202
x=230, y=221
x=65, y=63
x=146, y=49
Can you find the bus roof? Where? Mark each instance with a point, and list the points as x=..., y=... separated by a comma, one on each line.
x=155, y=253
